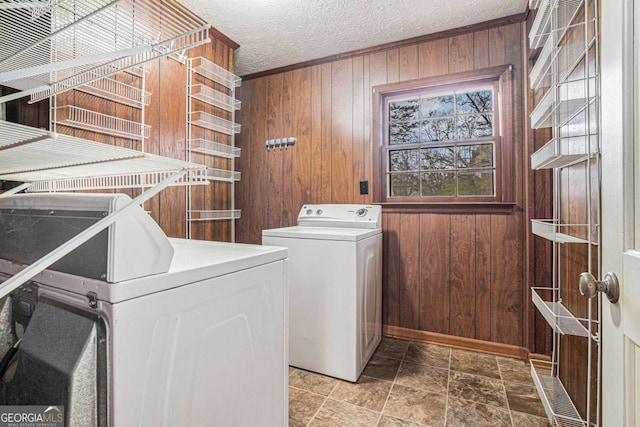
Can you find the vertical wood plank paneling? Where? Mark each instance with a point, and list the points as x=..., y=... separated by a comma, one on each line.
x=316, y=134
x=461, y=53
x=496, y=46
x=327, y=146
x=302, y=152
x=275, y=199
x=507, y=278
x=289, y=93
x=433, y=58
x=377, y=76
x=408, y=58
x=358, y=120
x=483, y=277
x=462, y=314
x=393, y=66
x=481, y=49
x=393, y=279
x=409, y=246
x=172, y=144
x=259, y=195
x=367, y=112
x=435, y=255
x=342, y=132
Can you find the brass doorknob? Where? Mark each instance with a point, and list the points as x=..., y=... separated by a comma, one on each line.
x=589, y=286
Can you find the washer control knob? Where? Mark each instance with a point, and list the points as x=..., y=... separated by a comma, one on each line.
x=319, y=212
x=309, y=211
x=361, y=212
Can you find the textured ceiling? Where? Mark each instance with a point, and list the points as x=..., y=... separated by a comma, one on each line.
x=275, y=33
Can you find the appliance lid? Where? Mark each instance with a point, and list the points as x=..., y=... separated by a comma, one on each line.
x=322, y=233
x=340, y=216
x=192, y=262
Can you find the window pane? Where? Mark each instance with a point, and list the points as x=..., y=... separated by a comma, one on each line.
x=404, y=133
x=436, y=158
x=404, y=185
x=404, y=110
x=475, y=126
x=438, y=184
x=474, y=102
x=438, y=130
x=475, y=183
x=403, y=160
x=437, y=106
x=475, y=156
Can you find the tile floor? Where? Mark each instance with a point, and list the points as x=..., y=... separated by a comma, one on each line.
x=415, y=384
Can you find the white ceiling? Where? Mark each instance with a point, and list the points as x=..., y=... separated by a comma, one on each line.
x=275, y=33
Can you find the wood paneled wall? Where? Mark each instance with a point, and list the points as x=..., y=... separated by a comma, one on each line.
x=459, y=273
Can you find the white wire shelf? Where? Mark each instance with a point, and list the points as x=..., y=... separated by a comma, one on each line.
x=557, y=315
x=81, y=118
x=542, y=73
x=56, y=162
x=541, y=24
x=204, y=146
x=551, y=15
x=73, y=42
x=561, y=233
x=210, y=96
x=119, y=92
x=212, y=71
x=215, y=123
x=563, y=152
x=556, y=401
x=222, y=175
x=215, y=215
x=572, y=97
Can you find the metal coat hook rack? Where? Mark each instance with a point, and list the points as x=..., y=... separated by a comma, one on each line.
x=279, y=143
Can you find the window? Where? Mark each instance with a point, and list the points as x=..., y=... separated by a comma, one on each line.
x=441, y=140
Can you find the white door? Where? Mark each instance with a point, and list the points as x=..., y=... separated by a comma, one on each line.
x=620, y=59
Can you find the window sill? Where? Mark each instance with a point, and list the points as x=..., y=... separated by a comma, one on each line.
x=449, y=207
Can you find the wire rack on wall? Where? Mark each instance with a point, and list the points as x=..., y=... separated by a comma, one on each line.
x=566, y=75
x=64, y=44
x=211, y=126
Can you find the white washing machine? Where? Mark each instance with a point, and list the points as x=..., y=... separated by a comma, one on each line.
x=335, y=294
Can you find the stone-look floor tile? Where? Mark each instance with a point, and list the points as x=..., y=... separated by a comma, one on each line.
x=425, y=377
x=334, y=414
x=477, y=388
x=524, y=398
x=368, y=392
x=420, y=406
x=475, y=363
x=387, y=421
x=527, y=420
x=515, y=370
x=313, y=382
x=393, y=348
x=302, y=406
x=461, y=413
x=291, y=370
x=383, y=368
x=428, y=354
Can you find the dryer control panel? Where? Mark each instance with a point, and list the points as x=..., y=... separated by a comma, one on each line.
x=341, y=216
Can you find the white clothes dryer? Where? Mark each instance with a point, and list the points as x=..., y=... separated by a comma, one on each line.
x=335, y=294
